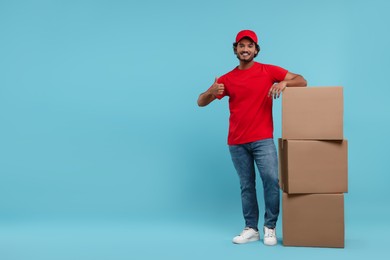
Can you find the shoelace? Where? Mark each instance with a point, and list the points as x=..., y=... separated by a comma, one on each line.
x=269, y=233
x=244, y=231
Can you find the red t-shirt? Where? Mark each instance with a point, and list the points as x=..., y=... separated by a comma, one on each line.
x=250, y=107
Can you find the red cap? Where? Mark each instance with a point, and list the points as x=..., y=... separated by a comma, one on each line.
x=246, y=33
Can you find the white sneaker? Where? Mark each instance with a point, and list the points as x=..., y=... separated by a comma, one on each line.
x=270, y=237
x=247, y=235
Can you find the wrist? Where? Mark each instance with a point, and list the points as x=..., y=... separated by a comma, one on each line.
x=284, y=85
x=211, y=93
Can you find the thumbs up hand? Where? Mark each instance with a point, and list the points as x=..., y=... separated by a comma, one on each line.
x=217, y=89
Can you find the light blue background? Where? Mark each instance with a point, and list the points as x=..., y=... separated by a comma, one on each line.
x=104, y=153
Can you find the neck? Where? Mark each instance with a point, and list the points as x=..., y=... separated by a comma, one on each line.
x=245, y=64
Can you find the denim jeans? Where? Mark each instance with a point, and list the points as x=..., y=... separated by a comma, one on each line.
x=263, y=154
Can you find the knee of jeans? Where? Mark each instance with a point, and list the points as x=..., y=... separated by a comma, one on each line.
x=271, y=179
x=247, y=185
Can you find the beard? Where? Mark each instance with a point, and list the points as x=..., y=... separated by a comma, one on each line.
x=246, y=59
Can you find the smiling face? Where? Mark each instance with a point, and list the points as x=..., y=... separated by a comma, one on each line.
x=246, y=50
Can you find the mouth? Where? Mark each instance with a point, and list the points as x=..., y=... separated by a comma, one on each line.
x=245, y=54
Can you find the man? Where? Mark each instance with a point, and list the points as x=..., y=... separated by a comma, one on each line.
x=251, y=86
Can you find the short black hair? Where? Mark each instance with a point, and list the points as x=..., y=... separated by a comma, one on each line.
x=256, y=45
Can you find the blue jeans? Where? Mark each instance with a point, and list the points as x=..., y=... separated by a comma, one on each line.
x=263, y=153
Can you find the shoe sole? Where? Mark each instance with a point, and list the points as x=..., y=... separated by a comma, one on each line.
x=271, y=244
x=253, y=239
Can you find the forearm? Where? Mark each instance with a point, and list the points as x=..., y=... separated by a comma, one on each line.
x=297, y=81
x=205, y=98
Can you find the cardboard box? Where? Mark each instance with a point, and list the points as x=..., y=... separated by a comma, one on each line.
x=312, y=113
x=313, y=220
x=312, y=166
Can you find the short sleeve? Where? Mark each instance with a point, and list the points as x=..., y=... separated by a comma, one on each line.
x=277, y=73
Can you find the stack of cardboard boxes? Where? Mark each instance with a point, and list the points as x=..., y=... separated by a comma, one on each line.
x=313, y=167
